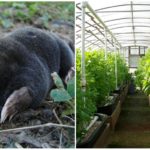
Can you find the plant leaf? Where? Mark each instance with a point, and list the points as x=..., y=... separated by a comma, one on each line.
x=60, y=95
x=71, y=87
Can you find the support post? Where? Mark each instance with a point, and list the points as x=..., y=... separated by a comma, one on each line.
x=105, y=30
x=83, y=78
x=119, y=50
x=116, y=67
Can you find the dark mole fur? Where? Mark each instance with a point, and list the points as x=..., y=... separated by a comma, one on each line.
x=28, y=56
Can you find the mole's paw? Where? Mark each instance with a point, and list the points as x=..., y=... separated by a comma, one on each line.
x=18, y=101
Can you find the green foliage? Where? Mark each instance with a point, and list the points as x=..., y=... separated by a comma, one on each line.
x=122, y=70
x=71, y=87
x=143, y=73
x=101, y=81
x=100, y=74
x=60, y=94
x=85, y=107
x=31, y=12
x=6, y=23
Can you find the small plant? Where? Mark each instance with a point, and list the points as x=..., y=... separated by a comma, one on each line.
x=12, y=13
x=60, y=94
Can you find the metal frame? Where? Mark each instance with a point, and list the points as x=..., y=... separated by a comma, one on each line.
x=127, y=18
x=97, y=10
x=107, y=32
x=95, y=18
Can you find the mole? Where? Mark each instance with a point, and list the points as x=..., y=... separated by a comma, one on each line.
x=28, y=56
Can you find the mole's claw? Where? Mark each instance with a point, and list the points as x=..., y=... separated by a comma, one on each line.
x=3, y=116
x=7, y=113
x=18, y=101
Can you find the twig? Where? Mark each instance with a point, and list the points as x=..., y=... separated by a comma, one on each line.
x=38, y=126
x=45, y=145
x=69, y=118
x=57, y=117
x=60, y=123
x=60, y=145
x=31, y=141
x=18, y=145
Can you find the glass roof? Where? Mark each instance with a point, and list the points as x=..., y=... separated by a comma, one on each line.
x=129, y=21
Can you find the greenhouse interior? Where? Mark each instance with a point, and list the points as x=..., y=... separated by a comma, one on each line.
x=113, y=74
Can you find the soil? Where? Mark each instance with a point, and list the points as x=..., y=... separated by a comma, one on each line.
x=133, y=127
x=40, y=137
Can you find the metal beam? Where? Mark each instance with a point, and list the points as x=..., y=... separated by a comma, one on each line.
x=118, y=33
x=123, y=11
x=146, y=4
x=129, y=22
x=138, y=44
x=99, y=32
x=95, y=29
x=97, y=17
x=133, y=40
x=105, y=43
x=137, y=36
x=126, y=18
x=83, y=77
x=133, y=27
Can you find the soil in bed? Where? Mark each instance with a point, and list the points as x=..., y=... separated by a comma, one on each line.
x=40, y=137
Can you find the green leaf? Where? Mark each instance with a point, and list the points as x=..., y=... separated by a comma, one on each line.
x=60, y=95
x=18, y=5
x=71, y=87
x=6, y=23
x=67, y=112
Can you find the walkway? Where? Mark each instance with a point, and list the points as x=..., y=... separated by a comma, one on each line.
x=133, y=127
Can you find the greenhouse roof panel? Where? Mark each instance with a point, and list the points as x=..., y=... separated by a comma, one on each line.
x=128, y=18
x=129, y=21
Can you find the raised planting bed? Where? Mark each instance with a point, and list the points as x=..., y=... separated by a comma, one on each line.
x=122, y=92
x=109, y=107
x=97, y=134
x=114, y=116
x=149, y=100
x=112, y=110
x=119, y=89
x=101, y=142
